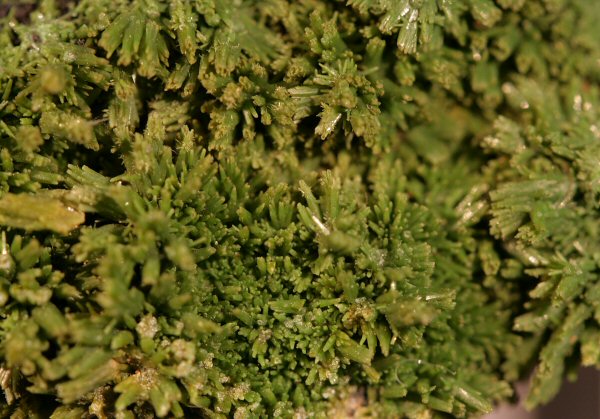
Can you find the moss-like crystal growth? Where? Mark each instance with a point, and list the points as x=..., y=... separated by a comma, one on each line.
x=296, y=209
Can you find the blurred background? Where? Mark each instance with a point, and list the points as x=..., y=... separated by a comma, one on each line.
x=578, y=400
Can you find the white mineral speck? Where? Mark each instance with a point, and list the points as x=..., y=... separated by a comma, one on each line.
x=147, y=327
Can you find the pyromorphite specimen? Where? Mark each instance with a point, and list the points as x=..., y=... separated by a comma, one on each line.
x=296, y=209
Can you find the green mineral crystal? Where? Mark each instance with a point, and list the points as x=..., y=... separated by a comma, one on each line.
x=296, y=208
